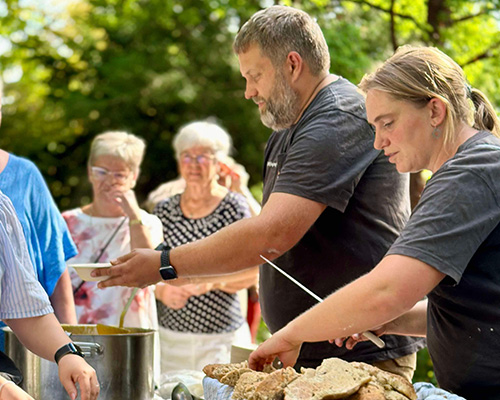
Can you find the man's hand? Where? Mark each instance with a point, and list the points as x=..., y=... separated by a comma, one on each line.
x=139, y=268
x=278, y=345
x=73, y=369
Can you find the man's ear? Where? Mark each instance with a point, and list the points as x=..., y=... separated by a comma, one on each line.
x=438, y=110
x=294, y=65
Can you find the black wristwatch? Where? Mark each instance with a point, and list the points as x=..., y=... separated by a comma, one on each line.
x=167, y=272
x=69, y=348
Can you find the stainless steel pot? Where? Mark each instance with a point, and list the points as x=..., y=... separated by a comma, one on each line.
x=123, y=362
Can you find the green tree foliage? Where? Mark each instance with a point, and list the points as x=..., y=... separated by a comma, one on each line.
x=147, y=67
x=150, y=66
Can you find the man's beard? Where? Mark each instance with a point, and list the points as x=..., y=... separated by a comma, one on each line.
x=283, y=106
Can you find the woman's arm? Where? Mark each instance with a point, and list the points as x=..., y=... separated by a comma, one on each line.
x=44, y=336
x=411, y=323
x=388, y=291
x=10, y=391
x=140, y=235
x=232, y=282
x=62, y=300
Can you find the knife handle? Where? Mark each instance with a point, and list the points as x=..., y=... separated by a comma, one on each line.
x=374, y=339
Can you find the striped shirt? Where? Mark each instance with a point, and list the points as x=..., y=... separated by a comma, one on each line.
x=21, y=296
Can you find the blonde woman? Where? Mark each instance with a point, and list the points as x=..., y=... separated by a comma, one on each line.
x=110, y=226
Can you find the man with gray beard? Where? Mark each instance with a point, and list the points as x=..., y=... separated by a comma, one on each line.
x=332, y=204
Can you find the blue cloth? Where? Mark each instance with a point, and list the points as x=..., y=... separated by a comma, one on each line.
x=427, y=391
x=47, y=236
x=21, y=296
x=214, y=390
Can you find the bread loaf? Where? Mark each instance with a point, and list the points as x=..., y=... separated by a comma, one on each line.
x=217, y=371
x=247, y=384
x=391, y=382
x=333, y=379
x=273, y=386
x=369, y=391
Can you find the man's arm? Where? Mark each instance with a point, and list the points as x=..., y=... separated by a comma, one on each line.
x=283, y=221
x=62, y=300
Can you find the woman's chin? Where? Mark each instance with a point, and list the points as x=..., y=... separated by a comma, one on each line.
x=194, y=179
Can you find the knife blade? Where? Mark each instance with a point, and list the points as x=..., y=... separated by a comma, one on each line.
x=369, y=335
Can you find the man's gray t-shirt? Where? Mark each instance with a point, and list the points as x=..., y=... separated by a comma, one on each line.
x=328, y=157
x=455, y=228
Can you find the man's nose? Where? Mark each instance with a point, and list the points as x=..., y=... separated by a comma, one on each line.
x=250, y=91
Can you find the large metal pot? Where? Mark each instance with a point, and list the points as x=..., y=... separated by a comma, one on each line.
x=123, y=362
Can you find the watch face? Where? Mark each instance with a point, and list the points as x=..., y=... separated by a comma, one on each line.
x=168, y=273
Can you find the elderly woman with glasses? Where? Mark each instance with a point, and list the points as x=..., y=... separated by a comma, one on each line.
x=199, y=322
x=110, y=226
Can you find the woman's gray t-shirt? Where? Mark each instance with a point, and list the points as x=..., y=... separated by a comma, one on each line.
x=455, y=228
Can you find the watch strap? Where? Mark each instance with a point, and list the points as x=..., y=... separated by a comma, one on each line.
x=167, y=271
x=69, y=348
x=165, y=257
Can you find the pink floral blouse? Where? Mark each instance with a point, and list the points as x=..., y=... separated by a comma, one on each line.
x=104, y=306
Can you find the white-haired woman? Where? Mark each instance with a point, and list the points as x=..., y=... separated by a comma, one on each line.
x=198, y=323
x=110, y=226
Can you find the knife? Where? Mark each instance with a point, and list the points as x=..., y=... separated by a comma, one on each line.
x=369, y=335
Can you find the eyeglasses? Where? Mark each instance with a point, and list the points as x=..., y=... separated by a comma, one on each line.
x=202, y=159
x=102, y=173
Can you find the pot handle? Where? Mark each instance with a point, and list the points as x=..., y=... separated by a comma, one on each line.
x=90, y=349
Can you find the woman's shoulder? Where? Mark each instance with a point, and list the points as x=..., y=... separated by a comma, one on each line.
x=479, y=155
x=72, y=213
x=169, y=202
x=25, y=167
x=236, y=201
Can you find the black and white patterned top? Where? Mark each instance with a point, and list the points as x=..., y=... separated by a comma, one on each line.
x=214, y=311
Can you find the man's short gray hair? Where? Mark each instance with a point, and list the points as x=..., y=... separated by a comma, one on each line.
x=205, y=134
x=128, y=147
x=278, y=30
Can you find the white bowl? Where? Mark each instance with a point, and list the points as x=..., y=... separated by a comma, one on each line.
x=84, y=270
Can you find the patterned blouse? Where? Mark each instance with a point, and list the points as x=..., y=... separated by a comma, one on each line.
x=104, y=306
x=214, y=311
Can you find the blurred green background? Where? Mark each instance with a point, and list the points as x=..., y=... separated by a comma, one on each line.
x=75, y=68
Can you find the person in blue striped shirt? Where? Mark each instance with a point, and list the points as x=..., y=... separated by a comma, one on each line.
x=26, y=309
